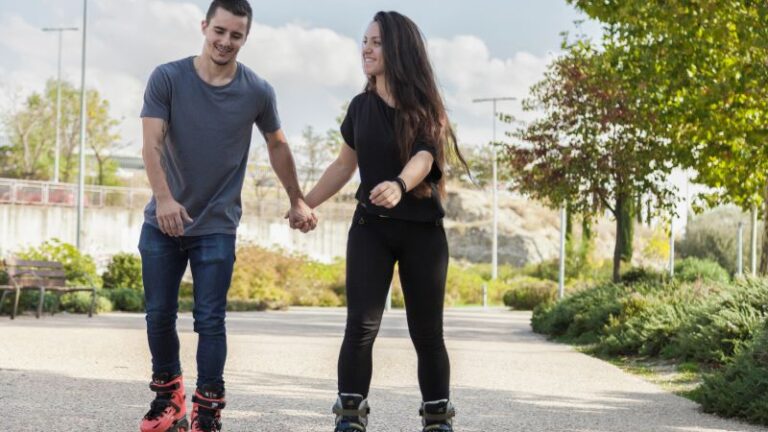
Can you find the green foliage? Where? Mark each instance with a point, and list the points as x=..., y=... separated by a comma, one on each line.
x=716, y=329
x=592, y=148
x=713, y=235
x=125, y=299
x=526, y=293
x=80, y=302
x=693, y=269
x=740, y=389
x=80, y=268
x=642, y=275
x=32, y=136
x=278, y=280
x=581, y=316
x=28, y=301
x=123, y=271
x=702, y=321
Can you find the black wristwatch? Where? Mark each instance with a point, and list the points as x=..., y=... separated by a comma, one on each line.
x=401, y=183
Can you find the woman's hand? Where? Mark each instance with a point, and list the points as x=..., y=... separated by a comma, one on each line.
x=386, y=194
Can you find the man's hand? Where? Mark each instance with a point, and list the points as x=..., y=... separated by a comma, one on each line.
x=386, y=194
x=171, y=217
x=301, y=217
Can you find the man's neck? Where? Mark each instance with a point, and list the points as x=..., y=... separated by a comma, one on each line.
x=212, y=73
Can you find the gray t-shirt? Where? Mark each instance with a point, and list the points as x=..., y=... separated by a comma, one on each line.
x=209, y=134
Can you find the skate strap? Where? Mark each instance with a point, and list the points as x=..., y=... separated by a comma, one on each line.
x=164, y=388
x=348, y=426
x=437, y=416
x=339, y=411
x=214, y=404
x=437, y=427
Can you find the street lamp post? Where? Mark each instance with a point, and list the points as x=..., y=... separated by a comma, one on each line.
x=495, y=236
x=58, y=30
x=83, y=119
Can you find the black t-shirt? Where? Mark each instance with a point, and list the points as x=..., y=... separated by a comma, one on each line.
x=369, y=128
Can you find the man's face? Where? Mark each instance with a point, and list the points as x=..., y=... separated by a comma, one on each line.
x=224, y=35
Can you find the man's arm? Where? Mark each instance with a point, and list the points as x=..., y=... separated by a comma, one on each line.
x=280, y=157
x=170, y=214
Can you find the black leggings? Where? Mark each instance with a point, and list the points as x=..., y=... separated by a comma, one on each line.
x=421, y=251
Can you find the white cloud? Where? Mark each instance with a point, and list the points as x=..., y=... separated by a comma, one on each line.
x=314, y=70
x=467, y=71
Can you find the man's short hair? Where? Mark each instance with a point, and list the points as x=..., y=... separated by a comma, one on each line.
x=236, y=7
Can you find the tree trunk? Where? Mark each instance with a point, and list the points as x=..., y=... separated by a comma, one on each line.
x=624, y=233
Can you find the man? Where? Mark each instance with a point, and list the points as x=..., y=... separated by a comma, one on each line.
x=197, y=120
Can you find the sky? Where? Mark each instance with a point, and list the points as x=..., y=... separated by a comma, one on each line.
x=309, y=50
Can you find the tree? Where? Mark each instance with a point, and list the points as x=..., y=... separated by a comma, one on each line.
x=27, y=156
x=704, y=64
x=315, y=153
x=591, y=150
x=32, y=135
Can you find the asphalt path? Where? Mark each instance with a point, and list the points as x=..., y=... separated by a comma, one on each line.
x=72, y=373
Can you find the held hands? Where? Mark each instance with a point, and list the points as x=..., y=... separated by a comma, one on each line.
x=171, y=217
x=387, y=194
x=301, y=217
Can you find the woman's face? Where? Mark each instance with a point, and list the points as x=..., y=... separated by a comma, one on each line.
x=373, y=54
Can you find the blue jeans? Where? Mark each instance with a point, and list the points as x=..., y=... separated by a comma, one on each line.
x=164, y=260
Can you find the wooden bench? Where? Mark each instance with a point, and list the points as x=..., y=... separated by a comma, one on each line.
x=41, y=276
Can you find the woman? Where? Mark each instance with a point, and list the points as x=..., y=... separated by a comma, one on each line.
x=398, y=133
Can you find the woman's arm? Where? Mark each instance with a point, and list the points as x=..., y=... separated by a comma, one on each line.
x=389, y=193
x=334, y=178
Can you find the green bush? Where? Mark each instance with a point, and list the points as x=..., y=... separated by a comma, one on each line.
x=713, y=235
x=580, y=317
x=125, y=299
x=647, y=323
x=692, y=269
x=80, y=268
x=716, y=329
x=740, y=389
x=642, y=275
x=123, y=271
x=80, y=302
x=28, y=301
x=526, y=293
x=277, y=280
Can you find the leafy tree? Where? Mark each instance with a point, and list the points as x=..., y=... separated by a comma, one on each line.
x=704, y=67
x=32, y=136
x=591, y=150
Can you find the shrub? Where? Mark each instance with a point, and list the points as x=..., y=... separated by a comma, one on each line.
x=642, y=275
x=716, y=329
x=126, y=299
x=80, y=268
x=526, y=293
x=123, y=271
x=713, y=235
x=80, y=302
x=277, y=280
x=740, y=389
x=647, y=323
x=581, y=316
x=693, y=269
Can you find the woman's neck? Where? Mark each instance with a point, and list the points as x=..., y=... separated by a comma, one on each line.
x=383, y=91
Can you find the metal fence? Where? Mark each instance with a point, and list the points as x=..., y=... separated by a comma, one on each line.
x=28, y=192
x=265, y=200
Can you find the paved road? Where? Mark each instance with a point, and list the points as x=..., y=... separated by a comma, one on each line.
x=71, y=373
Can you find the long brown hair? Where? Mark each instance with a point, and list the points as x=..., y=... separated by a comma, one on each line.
x=420, y=114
